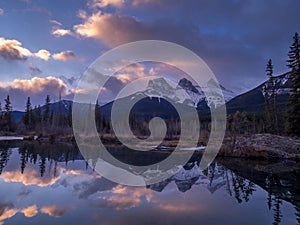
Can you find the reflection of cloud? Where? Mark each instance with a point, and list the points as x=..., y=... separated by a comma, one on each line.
x=64, y=56
x=31, y=177
x=30, y=211
x=92, y=186
x=6, y=211
x=178, y=208
x=123, y=197
x=55, y=211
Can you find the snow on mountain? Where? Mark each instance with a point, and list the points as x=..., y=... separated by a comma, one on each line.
x=281, y=85
x=185, y=92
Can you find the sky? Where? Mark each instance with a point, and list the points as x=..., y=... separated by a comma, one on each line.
x=45, y=46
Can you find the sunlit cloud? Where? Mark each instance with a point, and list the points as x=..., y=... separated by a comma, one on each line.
x=111, y=29
x=1, y=12
x=82, y=14
x=43, y=54
x=35, y=85
x=137, y=3
x=30, y=211
x=13, y=50
x=54, y=211
x=94, y=4
x=64, y=56
x=134, y=71
x=61, y=32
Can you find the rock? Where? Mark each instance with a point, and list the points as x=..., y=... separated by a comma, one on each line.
x=263, y=146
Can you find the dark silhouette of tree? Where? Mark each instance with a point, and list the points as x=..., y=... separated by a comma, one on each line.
x=8, y=119
x=46, y=114
x=271, y=110
x=4, y=158
x=293, y=114
x=27, y=118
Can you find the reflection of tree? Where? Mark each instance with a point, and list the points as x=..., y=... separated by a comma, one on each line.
x=45, y=155
x=4, y=157
x=274, y=200
x=277, y=210
x=242, y=188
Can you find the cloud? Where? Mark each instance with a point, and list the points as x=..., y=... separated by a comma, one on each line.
x=36, y=88
x=61, y=32
x=55, y=22
x=134, y=71
x=43, y=54
x=112, y=30
x=30, y=211
x=82, y=14
x=94, y=4
x=13, y=50
x=64, y=56
x=6, y=211
x=1, y=12
x=55, y=211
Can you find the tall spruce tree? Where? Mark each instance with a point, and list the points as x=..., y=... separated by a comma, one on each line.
x=270, y=101
x=8, y=113
x=293, y=114
x=27, y=118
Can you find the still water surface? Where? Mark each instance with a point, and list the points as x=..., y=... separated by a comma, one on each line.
x=52, y=184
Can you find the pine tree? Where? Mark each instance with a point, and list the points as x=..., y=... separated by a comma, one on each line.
x=27, y=118
x=270, y=100
x=8, y=113
x=293, y=114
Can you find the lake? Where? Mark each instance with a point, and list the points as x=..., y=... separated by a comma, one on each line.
x=52, y=184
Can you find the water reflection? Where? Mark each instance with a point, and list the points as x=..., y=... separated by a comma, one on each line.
x=43, y=184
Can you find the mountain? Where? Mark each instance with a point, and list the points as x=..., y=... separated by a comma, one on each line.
x=159, y=94
x=253, y=101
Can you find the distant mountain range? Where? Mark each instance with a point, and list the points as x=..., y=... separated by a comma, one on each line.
x=156, y=99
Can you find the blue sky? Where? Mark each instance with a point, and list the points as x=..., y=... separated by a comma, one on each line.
x=235, y=38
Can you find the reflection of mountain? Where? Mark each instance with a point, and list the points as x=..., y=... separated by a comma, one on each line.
x=191, y=175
